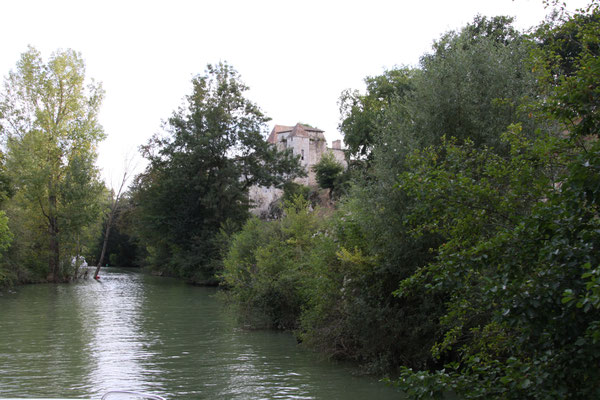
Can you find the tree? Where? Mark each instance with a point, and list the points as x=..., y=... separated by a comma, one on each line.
x=328, y=171
x=474, y=84
x=566, y=61
x=361, y=114
x=50, y=127
x=199, y=174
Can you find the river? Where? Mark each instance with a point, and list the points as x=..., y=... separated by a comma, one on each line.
x=138, y=332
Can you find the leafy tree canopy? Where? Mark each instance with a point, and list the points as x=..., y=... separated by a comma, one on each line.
x=51, y=130
x=327, y=170
x=213, y=151
x=361, y=113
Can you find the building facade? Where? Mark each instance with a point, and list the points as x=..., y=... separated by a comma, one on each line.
x=306, y=142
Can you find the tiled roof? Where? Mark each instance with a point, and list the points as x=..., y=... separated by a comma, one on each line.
x=277, y=129
x=299, y=130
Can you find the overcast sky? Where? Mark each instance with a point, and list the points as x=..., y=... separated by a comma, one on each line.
x=296, y=56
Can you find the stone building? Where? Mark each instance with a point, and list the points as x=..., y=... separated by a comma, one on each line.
x=305, y=141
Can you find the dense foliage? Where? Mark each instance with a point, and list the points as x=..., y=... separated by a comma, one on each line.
x=464, y=258
x=522, y=320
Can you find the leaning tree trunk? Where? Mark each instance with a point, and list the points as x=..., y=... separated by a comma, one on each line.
x=104, y=244
x=109, y=222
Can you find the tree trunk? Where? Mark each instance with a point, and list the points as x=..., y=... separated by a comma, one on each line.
x=111, y=215
x=54, y=261
x=104, y=244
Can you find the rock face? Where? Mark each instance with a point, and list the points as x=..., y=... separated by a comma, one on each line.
x=305, y=141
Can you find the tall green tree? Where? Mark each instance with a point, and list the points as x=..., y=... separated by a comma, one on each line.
x=474, y=84
x=213, y=151
x=362, y=114
x=51, y=130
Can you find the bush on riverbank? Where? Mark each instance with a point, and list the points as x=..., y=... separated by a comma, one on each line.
x=268, y=266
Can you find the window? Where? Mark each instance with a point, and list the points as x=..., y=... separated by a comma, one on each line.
x=302, y=157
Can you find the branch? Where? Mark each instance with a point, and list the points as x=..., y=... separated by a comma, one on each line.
x=43, y=211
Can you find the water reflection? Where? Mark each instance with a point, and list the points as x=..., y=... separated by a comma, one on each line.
x=136, y=332
x=116, y=343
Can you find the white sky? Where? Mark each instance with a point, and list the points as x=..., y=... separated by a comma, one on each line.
x=297, y=57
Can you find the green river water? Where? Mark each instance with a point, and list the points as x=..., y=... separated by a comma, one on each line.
x=137, y=332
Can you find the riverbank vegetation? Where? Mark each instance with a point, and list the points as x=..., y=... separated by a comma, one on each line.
x=462, y=252
x=465, y=256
